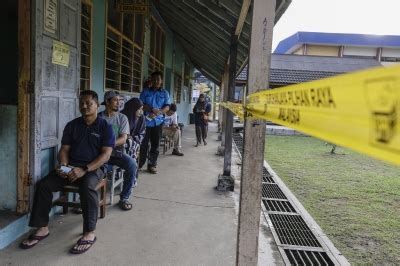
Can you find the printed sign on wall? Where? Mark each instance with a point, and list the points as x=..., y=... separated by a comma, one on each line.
x=60, y=54
x=50, y=15
x=134, y=6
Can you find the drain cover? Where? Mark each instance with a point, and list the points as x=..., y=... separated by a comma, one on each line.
x=267, y=176
x=292, y=230
x=272, y=191
x=278, y=206
x=302, y=257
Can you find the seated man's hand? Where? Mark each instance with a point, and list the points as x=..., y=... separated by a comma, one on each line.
x=61, y=173
x=75, y=174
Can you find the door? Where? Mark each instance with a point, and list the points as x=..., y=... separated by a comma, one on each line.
x=54, y=101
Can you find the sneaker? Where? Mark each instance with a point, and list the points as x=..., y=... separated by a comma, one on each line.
x=205, y=142
x=152, y=169
x=177, y=153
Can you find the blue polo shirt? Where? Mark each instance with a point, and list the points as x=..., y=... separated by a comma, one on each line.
x=86, y=141
x=155, y=99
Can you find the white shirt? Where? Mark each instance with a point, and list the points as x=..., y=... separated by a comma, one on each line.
x=171, y=120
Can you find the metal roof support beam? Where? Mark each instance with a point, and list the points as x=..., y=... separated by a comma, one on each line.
x=254, y=135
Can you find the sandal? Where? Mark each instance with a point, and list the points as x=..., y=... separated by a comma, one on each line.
x=33, y=237
x=125, y=205
x=81, y=242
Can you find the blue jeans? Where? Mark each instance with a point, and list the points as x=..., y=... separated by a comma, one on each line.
x=130, y=166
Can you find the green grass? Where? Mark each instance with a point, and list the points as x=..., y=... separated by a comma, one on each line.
x=355, y=199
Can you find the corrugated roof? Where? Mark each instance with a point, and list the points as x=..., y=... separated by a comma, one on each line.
x=289, y=44
x=204, y=29
x=292, y=69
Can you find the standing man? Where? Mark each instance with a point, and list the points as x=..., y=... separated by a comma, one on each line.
x=120, y=125
x=86, y=145
x=156, y=104
x=171, y=129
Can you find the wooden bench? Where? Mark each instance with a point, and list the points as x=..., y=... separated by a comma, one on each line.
x=65, y=203
x=116, y=177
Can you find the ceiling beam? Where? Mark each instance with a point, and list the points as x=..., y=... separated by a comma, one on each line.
x=218, y=58
x=207, y=74
x=198, y=40
x=188, y=16
x=178, y=22
x=205, y=12
x=206, y=60
x=203, y=58
x=242, y=17
x=172, y=17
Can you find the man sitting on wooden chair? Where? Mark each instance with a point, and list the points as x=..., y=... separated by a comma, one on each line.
x=120, y=125
x=87, y=144
x=171, y=129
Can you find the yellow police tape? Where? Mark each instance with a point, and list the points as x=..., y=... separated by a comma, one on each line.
x=360, y=110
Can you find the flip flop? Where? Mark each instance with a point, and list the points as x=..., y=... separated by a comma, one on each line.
x=31, y=238
x=125, y=205
x=82, y=242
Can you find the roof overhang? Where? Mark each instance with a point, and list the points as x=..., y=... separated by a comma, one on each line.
x=204, y=28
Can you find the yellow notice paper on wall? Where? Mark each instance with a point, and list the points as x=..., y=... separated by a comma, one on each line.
x=360, y=110
x=60, y=54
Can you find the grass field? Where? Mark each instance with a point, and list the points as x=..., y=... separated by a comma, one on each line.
x=355, y=199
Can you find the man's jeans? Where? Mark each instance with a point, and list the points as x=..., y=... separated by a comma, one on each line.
x=130, y=166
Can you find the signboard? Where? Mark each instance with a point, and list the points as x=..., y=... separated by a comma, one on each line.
x=60, y=54
x=50, y=15
x=134, y=6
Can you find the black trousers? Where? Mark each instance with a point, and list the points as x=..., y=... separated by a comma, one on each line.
x=43, y=199
x=153, y=134
x=201, y=133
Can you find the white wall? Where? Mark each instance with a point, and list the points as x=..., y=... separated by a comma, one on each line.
x=359, y=51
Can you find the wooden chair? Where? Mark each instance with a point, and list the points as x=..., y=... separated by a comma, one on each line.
x=65, y=203
x=164, y=143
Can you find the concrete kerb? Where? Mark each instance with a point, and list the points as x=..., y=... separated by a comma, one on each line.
x=268, y=252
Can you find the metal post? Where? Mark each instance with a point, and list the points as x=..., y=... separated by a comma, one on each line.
x=214, y=101
x=225, y=181
x=254, y=135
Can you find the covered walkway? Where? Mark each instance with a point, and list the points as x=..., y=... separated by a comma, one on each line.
x=178, y=218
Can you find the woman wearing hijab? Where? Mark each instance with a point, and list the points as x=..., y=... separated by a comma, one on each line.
x=133, y=109
x=201, y=111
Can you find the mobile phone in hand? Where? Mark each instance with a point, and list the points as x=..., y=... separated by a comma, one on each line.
x=65, y=169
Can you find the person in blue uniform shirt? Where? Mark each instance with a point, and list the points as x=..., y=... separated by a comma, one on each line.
x=155, y=105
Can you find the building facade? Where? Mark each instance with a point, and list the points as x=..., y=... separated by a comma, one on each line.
x=54, y=49
x=384, y=48
x=75, y=45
